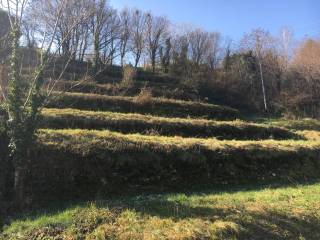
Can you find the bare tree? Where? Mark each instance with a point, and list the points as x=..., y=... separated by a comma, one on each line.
x=165, y=54
x=213, y=50
x=110, y=36
x=286, y=46
x=125, y=33
x=259, y=41
x=4, y=34
x=180, y=55
x=84, y=39
x=99, y=19
x=138, y=35
x=199, y=45
x=156, y=31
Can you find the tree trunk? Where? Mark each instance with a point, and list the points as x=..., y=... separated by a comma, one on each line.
x=263, y=87
x=19, y=186
x=96, y=53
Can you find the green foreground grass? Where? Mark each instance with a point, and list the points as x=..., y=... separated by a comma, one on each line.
x=148, y=124
x=270, y=213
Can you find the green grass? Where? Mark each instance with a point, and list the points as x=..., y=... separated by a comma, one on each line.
x=147, y=124
x=154, y=106
x=270, y=213
x=302, y=124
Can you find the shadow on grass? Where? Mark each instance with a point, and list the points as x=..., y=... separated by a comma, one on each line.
x=255, y=223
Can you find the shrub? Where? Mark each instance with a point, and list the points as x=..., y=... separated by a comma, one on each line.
x=144, y=97
x=128, y=76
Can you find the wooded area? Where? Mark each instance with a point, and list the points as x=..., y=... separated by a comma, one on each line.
x=261, y=73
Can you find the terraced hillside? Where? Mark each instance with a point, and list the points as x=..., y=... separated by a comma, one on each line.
x=92, y=145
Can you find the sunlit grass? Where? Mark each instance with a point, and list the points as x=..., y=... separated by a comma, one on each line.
x=301, y=124
x=283, y=213
x=148, y=124
x=79, y=136
x=155, y=106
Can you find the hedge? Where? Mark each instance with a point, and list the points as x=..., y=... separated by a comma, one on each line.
x=137, y=123
x=85, y=164
x=154, y=106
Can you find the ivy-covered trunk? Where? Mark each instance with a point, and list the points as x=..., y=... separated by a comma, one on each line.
x=19, y=132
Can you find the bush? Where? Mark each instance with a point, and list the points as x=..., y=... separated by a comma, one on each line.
x=133, y=123
x=128, y=76
x=82, y=164
x=144, y=97
x=157, y=106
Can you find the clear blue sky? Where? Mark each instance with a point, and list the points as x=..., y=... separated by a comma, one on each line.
x=234, y=17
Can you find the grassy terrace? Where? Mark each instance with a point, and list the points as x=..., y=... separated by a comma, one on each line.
x=133, y=123
x=168, y=90
x=272, y=213
x=77, y=136
x=109, y=88
x=155, y=106
x=84, y=164
x=302, y=124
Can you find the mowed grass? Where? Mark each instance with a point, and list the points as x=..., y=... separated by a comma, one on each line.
x=155, y=106
x=148, y=124
x=267, y=213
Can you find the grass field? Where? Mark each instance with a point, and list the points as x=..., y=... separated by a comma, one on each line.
x=267, y=213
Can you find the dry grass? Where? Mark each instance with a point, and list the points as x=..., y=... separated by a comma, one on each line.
x=310, y=135
x=78, y=137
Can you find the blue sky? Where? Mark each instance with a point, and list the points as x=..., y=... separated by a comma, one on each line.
x=234, y=17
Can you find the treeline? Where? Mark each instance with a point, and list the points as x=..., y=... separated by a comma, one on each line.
x=262, y=72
